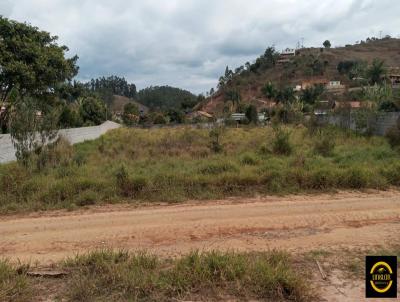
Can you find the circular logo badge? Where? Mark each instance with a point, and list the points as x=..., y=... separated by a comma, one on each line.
x=381, y=277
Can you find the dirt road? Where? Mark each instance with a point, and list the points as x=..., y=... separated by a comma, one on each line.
x=300, y=223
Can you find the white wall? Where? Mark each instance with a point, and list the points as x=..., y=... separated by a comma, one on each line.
x=74, y=135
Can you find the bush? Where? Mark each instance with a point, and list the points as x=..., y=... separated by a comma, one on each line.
x=87, y=198
x=215, y=136
x=129, y=186
x=217, y=168
x=252, y=114
x=393, y=136
x=249, y=159
x=281, y=143
x=324, y=144
x=356, y=178
x=159, y=119
x=122, y=179
x=14, y=283
x=59, y=153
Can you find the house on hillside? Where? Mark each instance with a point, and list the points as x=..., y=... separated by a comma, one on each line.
x=241, y=117
x=286, y=55
x=394, y=76
x=323, y=108
x=313, y=82
x=351, y=105
x=331, y=86
x=297, y=88
x=335, y=86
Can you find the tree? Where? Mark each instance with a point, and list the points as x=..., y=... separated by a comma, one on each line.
x=176, y=116
x=131, y=114
x=112, y=85
x=228, y=74
x=93, y=111
x=234, y=96
x=33, y=125
x=269, y=90
x=311, y=94
x=252, y=114
x=69, y=117
x=215, y=139
x=327, y=44
x=31, y=60
x=285, y=95
x=376, y=72
x=159, y=119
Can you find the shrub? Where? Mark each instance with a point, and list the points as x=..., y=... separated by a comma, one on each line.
x=392, y=174
x=129, y=186
x=79, y=159
x=215, y=136
x=217, y=168
x=281, y=143
x=393, y=136
x=324, y=144
x=159, y=119
x=356, y=178
x=249, y=159
x=252, y=114
x=122, y=179
x=87, y=198
x=59, y=153
x=323, y=178
x=14, y=284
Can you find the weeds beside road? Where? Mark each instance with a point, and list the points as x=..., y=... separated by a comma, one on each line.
x=120, y=276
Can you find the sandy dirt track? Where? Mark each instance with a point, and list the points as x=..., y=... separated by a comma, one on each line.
x=297, y=223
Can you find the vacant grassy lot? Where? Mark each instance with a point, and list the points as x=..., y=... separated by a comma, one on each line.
x=174, y=165
x=120, y=276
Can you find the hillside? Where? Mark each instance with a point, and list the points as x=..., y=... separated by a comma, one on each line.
x=308, y=65
x=118, y=103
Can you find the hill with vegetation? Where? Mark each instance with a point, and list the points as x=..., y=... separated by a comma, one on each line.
x=352, y=65
x=166, y=97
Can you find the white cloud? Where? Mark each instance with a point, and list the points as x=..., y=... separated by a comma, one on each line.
x=188, y=43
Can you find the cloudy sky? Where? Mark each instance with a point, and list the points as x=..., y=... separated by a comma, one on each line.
x=188, y=43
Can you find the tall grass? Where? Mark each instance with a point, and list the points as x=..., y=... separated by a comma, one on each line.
x=175, y=165
x=106, y=275
x=14, y=284
x=120, y=276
